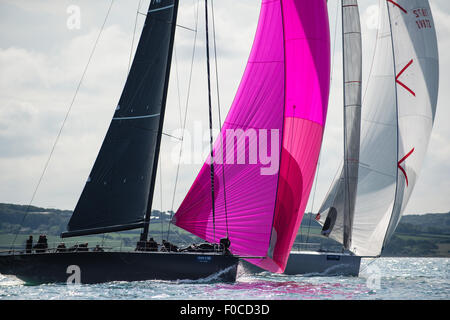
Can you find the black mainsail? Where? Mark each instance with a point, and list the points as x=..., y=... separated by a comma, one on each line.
x=118, y=193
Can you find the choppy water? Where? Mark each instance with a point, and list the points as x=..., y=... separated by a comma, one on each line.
x=383, y=278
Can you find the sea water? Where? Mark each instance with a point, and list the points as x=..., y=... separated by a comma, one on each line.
x=382, y=278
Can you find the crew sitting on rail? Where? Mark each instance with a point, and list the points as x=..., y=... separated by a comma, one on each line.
x=98, y=249
x=29, y=245
x=169, y=247
x=225, y=245
x=61, y=247
x=41, y=246
x=151, y=245
x=83, y=247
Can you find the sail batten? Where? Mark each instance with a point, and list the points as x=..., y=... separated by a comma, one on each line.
x=117, y=192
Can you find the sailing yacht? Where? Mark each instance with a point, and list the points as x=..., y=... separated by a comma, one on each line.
x=386, y=140
x=119, y=190
x=247, y=210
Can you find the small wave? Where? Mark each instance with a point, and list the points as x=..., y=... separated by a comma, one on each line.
x=209, y=279
x=333, y=271
x=10, y=281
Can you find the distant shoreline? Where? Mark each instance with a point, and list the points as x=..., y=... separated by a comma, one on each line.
x=417, y=236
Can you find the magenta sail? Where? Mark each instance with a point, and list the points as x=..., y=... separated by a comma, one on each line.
x=266, y=155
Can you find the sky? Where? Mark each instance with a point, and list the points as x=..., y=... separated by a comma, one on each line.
x=44, y=49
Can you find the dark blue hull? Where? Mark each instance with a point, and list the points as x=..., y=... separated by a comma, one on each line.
x=98, y=267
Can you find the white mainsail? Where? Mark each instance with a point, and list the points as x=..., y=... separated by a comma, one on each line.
x=340, y=203
x=397, y=119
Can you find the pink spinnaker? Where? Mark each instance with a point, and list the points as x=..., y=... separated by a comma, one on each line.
x=281, y=101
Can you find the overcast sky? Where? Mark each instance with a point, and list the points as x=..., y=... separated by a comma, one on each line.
x=42, y=58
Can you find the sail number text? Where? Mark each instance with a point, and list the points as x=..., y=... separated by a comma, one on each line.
x=422, y=20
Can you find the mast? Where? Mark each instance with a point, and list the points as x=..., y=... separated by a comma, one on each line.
x=148, y=212
x=337, y=212
x=210, y=119
x=352, y=73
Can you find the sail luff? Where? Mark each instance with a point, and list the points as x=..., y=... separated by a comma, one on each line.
x=395, y=205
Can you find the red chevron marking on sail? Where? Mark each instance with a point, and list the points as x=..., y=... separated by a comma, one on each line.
x=401, y=83
x=399, y=6
x=401, y=168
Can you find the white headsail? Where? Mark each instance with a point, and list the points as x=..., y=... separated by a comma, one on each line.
x=397, y=119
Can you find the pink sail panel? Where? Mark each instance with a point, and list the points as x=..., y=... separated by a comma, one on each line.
x=285, y=89
x=250, y=195
x=295, y=181
x=307, y=54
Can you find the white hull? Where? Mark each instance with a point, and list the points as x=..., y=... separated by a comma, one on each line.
x=315, y=263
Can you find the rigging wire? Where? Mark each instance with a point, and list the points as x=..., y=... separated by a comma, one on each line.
x=185, y=118
x=178, y=85
x=64, y=122
x=219, y=113
x=134, y=35
x=181, y=125
x=368, y=264
x=161, y=198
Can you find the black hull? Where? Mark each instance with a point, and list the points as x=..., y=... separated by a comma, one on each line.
x=99, y=267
